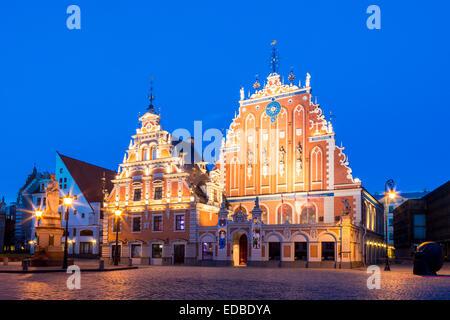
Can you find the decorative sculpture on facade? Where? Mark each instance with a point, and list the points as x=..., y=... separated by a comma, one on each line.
x=282, y=153
x=298, y=162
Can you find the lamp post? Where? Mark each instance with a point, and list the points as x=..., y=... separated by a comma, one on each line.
x=67, y=202
x=117, y=213
x=388, y=193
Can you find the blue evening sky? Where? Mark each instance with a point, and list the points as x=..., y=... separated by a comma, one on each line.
x=80, y=91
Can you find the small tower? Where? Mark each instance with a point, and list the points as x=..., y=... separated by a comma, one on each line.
x=256, y=213
x=256, y=230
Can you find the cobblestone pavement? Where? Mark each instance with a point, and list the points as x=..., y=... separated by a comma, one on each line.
x=153, y=282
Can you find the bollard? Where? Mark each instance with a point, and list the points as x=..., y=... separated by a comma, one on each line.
x=101, y=264
x=5, y=261
x=24, y=265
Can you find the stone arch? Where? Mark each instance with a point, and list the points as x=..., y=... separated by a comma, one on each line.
x=299, y=235
x=273, y=236
x=207, y=237
x=328, y=237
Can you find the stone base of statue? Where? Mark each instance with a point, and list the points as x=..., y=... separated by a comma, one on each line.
x=49, y=250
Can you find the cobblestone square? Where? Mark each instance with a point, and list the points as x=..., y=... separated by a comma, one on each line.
x=180, y=282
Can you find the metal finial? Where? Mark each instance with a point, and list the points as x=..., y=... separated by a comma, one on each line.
x=331, y=116
x=291, y=75
x=256, y=85
x=274, y=58
x=151, y=97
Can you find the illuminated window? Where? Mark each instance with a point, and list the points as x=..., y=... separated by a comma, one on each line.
x=136, y=250
x=157, y=250
x=179, y=222
x=284, y=214
x=157, y=223
x=207, y=250
x=158, y=193
x=308, y=215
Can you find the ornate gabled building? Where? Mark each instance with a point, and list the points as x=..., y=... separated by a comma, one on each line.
x=281, y=149
x=164, y=198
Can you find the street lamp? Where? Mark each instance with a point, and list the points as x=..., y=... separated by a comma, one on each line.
x=389, y=192
x=67, y=200
x=117, y=213
x=38, y=214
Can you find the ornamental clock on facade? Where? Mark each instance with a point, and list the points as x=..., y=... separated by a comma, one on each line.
x=273, y=109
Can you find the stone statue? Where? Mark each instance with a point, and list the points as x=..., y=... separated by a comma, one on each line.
x=347, y=207
x=308, y=80
x=282, y=153
x=299, y=151
x=52, y=198
x=250, y=157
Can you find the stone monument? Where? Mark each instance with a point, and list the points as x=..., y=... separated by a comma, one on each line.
x=49, y=250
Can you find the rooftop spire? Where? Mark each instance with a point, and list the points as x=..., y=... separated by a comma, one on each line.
x=151, y=97
x=274, y=59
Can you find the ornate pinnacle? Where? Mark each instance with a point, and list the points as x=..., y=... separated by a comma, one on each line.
x=256, y=85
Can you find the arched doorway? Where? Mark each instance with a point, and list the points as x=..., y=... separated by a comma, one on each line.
x=243, y=250
x=240, y=248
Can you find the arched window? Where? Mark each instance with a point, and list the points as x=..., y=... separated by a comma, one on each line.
x=86, y=233
x=316, y=165
x=145, y=154
x=264, y=215
x=153, y=152
x=284, y=213
x=234, y=174
x=308, y=215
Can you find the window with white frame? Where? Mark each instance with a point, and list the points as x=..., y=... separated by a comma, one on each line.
x=157, y=223
x=136, y=224
x=179, y=222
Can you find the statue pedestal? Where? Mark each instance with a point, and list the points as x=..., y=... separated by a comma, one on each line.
x=49, y=250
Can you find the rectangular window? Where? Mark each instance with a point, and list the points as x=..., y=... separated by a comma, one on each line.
x=137, y=195
x=65, y=179
x=136, y=250
x=157, y=223
x=158, y=193
x=179, y=222
x=390, y=222
x=207, y=250
x=74, y=232
x=136, y=224
x=419, y=226
x=38, y=202
x=157, y=251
